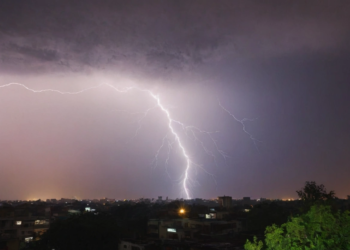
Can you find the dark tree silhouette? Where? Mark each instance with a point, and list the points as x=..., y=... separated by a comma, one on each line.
x=265, y=214
x=313, y=192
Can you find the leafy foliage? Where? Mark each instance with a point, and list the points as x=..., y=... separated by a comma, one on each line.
x=253, y=245
x=318, y=229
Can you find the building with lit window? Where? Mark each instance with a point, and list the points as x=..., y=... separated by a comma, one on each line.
x=21, y=225
x=179, y=229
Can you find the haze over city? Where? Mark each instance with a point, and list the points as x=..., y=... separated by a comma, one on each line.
x=256, y=91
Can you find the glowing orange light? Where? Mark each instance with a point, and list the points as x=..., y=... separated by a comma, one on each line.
x=182, y=211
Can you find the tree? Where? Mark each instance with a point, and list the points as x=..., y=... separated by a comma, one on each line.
x=313, y=192
x=253, y=245
x=319, y=229
x=265, y=214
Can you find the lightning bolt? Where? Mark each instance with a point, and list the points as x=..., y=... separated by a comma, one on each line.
x=189, y=164
x=50, y=90
x=172, y=131
x=178, y=140
x=242, y=121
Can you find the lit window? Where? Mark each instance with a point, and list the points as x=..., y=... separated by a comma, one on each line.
x=18, y=223
x=171, y=230
x=28, y=239
x=41, y=222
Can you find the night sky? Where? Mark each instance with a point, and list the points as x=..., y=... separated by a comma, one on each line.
x=283, y=65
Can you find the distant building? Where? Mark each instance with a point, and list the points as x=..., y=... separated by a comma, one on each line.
x=21, y=225
x=65, y=200
x=225, y=201
x=133, y=245
x=182, y=229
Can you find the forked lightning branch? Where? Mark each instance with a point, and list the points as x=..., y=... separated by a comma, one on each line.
x=172, y=135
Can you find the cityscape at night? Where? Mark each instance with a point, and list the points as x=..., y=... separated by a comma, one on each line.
x=174, y=124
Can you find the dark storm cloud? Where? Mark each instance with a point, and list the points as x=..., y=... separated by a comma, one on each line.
x=35, y=53
x=159, y=35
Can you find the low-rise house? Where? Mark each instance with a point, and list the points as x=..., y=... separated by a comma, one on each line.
x=24, y=223
x=135, y=245
x=180, y=229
